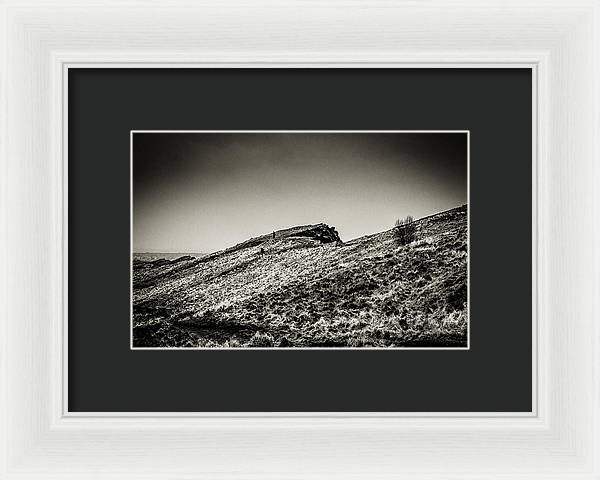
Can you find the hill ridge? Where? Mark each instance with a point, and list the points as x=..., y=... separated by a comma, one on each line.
x=298, y=291
x=416, y=221
x=252, y=241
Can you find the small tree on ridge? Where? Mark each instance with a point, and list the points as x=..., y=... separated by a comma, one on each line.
x=404, y=230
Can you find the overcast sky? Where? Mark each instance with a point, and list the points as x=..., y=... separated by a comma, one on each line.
x=202, y=192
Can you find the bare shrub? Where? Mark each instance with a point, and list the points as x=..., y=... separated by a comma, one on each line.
x=404, y=230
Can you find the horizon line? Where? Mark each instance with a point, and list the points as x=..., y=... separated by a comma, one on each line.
x=296, y=226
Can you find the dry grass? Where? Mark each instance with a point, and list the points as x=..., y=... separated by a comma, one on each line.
x=370, y=292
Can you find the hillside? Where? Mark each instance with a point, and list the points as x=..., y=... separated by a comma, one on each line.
x=305, y=288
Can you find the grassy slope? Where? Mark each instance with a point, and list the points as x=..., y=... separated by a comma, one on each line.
x=300, y=292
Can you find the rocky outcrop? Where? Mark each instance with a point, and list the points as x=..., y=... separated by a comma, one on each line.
x=321, y=232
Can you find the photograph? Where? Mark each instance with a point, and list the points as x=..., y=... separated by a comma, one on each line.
x=299, y=239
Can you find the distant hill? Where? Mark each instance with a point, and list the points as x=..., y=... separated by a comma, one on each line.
x=151, y=256
x=305, y=288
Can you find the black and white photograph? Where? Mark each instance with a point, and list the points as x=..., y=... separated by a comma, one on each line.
x=299, y=239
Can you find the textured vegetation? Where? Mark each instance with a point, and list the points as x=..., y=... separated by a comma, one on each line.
x=305, y=288
x=405, y=230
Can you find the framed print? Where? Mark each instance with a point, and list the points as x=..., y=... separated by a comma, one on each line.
x=300, y=240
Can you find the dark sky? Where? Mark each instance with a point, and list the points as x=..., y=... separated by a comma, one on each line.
x=202, y=192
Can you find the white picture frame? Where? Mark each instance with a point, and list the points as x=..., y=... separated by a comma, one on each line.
x=559, y=40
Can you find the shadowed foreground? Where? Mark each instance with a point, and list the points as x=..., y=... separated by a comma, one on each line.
x=305, y=288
